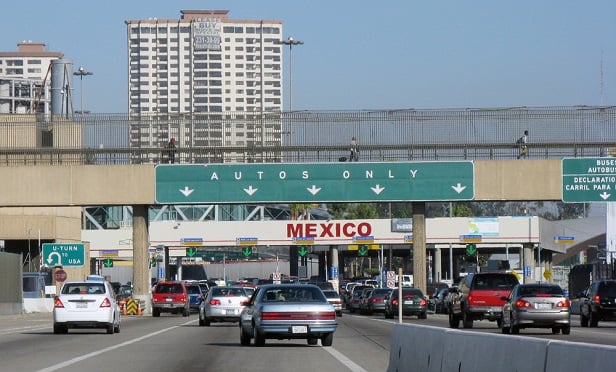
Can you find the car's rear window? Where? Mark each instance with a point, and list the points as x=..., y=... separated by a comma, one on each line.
x=169, y=288
x=227, y=292
x=607, y=289
x=495, y=281
x=380, y=292
x=538, y=290
x=331, y=294
x=293, y=294
x=83, y=288
x=193, y=289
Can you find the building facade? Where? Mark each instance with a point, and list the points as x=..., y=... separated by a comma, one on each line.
x=208, y=71
x=25, y=79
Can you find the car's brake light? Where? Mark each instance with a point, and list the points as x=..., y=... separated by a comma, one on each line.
x=394, y=302
x=596, y=299
x=105, y=303
x=245, y=302
x=563, y=304
x=57, y=303
x=522, y=303
x=302, y=315
x=214, y=301
x=422, y=302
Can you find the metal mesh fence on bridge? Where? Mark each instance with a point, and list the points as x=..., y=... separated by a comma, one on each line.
x=309, y=136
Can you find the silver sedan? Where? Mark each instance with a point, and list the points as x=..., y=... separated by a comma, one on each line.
x=288, y=311
x=536, y=306
x=222, y=304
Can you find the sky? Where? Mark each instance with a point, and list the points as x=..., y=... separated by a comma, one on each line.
x=359, y=54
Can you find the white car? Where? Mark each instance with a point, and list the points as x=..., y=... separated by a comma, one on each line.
x=86, y=304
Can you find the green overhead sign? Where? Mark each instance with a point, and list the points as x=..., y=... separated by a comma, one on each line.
x=64, y=254
x=588, y=180
x=314, y=182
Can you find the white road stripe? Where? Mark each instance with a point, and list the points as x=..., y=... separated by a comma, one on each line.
x=344, y=360
x=69, y=362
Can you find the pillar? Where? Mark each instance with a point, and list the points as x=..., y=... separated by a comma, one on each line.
x=141, y=256
x=438, y=271
x=528, y=260
x=333, y=261
x=419, y=245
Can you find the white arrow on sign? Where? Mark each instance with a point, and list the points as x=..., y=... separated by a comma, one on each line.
x=186, y=191
x=250, y=190
x=314, y=189
x=50, y=260
x=605, y=195
x=378, y=189
x=458, y=188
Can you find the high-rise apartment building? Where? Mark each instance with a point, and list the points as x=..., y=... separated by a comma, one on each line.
x=25, y=79
x=209, y=68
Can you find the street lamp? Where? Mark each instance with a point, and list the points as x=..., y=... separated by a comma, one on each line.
x=81, y=73
x=290, y=42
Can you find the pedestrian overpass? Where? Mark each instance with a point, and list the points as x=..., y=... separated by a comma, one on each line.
x=143, y=185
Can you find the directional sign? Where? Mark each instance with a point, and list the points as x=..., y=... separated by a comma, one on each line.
x=564, y=239
x=192, y=241
x=471, y=249
x=589, y=180
x=362, y=250
x=247, y=251
x=471, y=238
x=64, y=254
x=302, y=251
x=191, y=252
x=314, y=182
x=108, y=262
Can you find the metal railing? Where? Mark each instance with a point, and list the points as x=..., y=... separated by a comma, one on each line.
x=308, y=136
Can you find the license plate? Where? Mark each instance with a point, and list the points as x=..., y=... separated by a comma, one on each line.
x=82, y=305
x=409, y=302
x=230, y=312
x=168, y=299
x=299, y=329
x=543, y=306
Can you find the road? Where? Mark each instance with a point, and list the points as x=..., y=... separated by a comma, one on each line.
x=175, y=343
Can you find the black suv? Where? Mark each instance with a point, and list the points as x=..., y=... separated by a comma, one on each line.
x=598, y=303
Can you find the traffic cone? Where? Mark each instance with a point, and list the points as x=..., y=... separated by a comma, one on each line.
x=139, y=312
x=123, y=306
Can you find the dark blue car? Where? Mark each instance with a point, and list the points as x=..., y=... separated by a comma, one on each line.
x=195, y=294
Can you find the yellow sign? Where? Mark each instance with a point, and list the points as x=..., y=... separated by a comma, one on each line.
x=547, y=274
x=372, y=247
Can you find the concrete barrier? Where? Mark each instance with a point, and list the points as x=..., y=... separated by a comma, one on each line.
x=576, y=356
x=474, y=351
x=425, y=348
x=419, y=348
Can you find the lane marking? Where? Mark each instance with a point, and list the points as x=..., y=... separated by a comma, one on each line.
x=344, y=360
x=69, y=362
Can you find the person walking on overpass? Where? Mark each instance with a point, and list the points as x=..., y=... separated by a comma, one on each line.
x=171, y=150
x=521, y=142
x=354, y=153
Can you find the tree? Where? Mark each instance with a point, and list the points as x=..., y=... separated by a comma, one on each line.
x=362, y=210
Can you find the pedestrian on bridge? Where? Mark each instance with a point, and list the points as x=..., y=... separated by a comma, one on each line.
x=171, y=150
x=521, y=142
x=354, y=153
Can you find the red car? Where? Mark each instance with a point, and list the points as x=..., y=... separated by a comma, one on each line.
x=170, y=297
